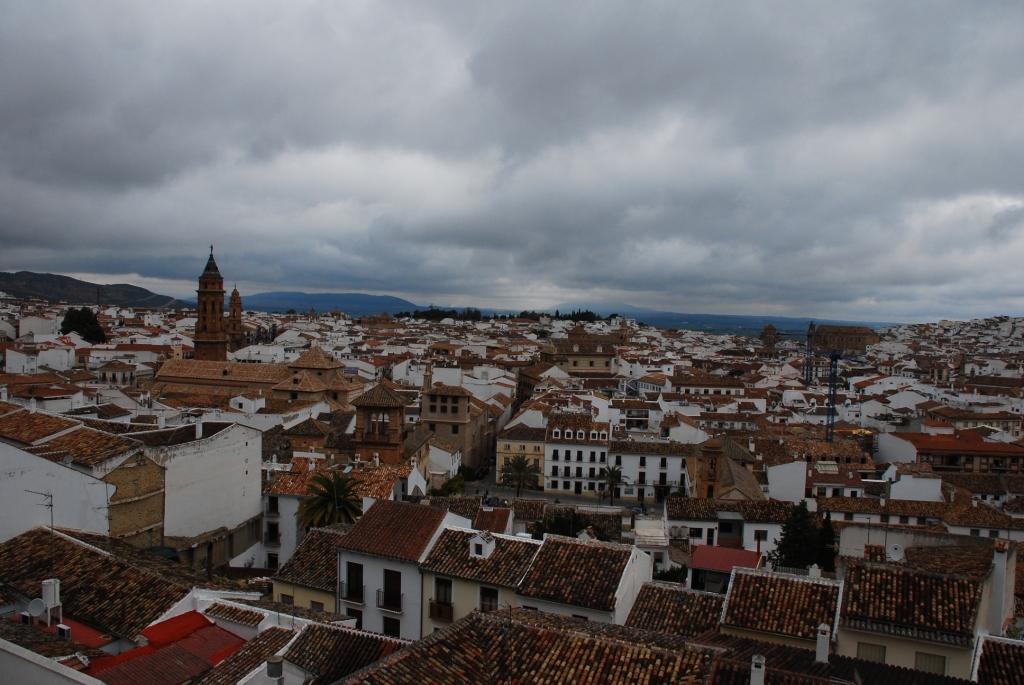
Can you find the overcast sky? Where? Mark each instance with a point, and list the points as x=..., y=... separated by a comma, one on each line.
x=858, y=160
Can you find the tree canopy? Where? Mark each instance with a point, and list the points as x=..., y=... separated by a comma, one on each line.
x=333, y=500
x=83, y=321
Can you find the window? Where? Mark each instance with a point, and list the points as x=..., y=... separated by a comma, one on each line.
x=618, y=460
x=930, y=663
x=993, y=533
x=593, y=456
x=554, y=455
x=353, y=588
x=847, y=516
x=357, y=615
x=478, y=549
x=271, y=561
x=432, y=427
x=664, y=462
x=316, y=606
x=696, y=533
x=443, y=586
x=871, y=652
x=272, y=504
x=904, y=519
x=554, y=470
x=488, y=598
x=392, y=627
x=287, y=599
x=455, y=429
x=885, y=518
x=602, y=457
x=579, y=455
x=975, y=532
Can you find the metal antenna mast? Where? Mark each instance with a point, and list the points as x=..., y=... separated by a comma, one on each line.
x=48, y=503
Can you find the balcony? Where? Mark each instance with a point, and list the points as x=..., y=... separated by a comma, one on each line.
x=441, y=611
x=389, y=601
x=351, y=593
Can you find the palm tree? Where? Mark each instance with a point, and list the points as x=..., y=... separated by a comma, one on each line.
x=612, y=477
x=519, y=472
x=333, y=499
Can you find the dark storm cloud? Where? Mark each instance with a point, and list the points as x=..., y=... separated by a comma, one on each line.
x=854, y=160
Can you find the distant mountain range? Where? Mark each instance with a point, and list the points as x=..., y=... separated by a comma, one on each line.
x=57, y=288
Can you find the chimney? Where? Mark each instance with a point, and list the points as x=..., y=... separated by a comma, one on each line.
x=199, y=429
x=757, y=669
x=32, y=405
x=1000, y=590
x=814, y=571
x=821, y=648
x=275, y=668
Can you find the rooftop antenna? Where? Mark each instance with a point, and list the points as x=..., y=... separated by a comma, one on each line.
x=48, y=503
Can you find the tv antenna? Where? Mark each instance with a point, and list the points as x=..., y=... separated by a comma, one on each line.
x=48, y=503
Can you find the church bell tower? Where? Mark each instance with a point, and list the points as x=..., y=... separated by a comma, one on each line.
x=211, y=340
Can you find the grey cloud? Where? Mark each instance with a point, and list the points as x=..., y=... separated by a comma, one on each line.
x=858, y=160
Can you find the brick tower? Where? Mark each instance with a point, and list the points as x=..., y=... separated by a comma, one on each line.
x=211, y=339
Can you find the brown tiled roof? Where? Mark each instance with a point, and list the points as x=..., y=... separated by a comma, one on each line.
x=523, y=433
x=236, y=372
x=315, y=358
x=380, y=396
x=927, y=606
x=315, y=561
x=767, y=511
x=464, y=506
x=506, y=565
x=782, y=604
x=251, y=656
x=584, y=574
x=245, y=617
x=494, y=520
x=36, y=639
x=26, y=427
x=86, y=447
x=1001, y=663
x=532, y=647
x=334, y=652
x=101, y=591
x=691, y=509
x=396, y=530
x=671, y=608
x=528, y=509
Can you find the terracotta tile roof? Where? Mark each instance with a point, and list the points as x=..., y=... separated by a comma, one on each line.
x=104, y=592
x=691, y=509
x=584, y=574
x=671, y=608
x=247, y=659
x=914, y=604
x=378, y=481
x=223, y=372
x=86, y=447
x=962, y=559
x=380, y=396
x=723, y=559
x=37, y=640
x=767, y=511
x=533, y=647
x=26, y=427
x=245, y=617
x=316, y=358
x=788, y=665
x=522, y=432
x=315, y=561
x=494, y=520
x=7, y=408
x=334, y=652
x=793, y=606
x=1001, y=662
x=528, y=509
x=396, y=530
x=464, y=506
x=506, y=565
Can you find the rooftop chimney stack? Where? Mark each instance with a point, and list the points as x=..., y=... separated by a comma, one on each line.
x=821, y=648
x=275, y=668
x=199, y=429
x=1002, y=597
x=757, y=669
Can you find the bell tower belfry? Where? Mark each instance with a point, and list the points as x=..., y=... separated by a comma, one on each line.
x=211, y=340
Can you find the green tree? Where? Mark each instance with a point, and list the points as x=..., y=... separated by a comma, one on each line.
x=519, y=472
x=797, y=547
x=827, y=545
x=83, y=321
x=612, y=477
x=333, y=500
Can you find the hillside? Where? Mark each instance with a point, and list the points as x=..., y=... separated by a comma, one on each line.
x=353, y=304
x=56, y=288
